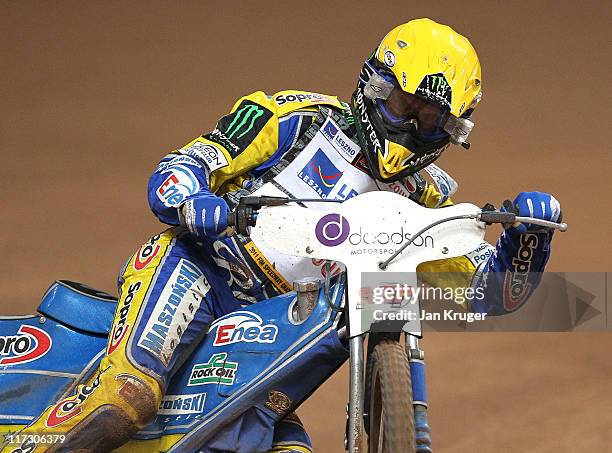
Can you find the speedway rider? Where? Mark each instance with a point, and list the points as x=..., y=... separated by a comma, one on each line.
x=415, y=97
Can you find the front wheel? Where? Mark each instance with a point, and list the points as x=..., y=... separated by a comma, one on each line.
x=391, y=415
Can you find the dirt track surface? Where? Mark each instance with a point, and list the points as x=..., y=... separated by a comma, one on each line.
x=92, y=96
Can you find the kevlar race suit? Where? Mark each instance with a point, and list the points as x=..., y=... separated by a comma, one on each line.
x=292, y=143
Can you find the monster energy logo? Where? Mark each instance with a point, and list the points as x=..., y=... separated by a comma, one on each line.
x=438, y=83
x=217, y=371
x=350, y=119
x=436, y=88
x=248, y=112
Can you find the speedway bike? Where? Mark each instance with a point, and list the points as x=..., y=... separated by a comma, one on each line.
x=45, y=356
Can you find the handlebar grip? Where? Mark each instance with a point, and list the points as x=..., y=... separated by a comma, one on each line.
x=545, y=223
x=497, y=217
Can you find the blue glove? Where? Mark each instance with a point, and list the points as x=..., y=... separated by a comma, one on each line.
x=534, y=204
x=205, y=215
x=514, y=270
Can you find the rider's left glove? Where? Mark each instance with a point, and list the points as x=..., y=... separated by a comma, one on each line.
x=514, y=270
x=539, y=205
x=205, y=215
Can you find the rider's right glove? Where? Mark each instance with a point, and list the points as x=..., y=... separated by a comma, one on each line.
x=205, y=215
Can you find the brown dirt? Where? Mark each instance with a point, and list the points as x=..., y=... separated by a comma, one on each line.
x=93, y=94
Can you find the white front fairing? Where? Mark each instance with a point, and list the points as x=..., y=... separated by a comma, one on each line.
x=365, y=230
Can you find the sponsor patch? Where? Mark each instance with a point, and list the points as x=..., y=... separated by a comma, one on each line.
x=344, y=145
x=182, y=404
x=332, y=230
x=146, y=253
x=516, y=284
x=218, y=370
x=219, y=137
x=301, y=97
x=177, y=159
x=243, y=327
x=262, y=262
x=320, y=174
x=389, y=58
x=278, y=402
x=121, y=327
x=436, y=88
x=176, y=306
x=242, y=126
x=405, y=187
x=72, y=406
x=481, y=254
x=180, y=183
x=446, y=185
x=207, y=153
x=29, y=344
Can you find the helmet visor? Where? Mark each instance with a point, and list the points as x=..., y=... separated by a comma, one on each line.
x=406, y=111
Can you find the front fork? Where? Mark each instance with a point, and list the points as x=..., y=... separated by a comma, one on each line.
x=354, y=428
x=416, y=360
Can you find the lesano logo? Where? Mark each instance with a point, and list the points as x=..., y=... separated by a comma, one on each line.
x=30, y=343
x=218, y=370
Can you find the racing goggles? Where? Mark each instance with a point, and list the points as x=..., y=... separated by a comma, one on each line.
x=411, y=113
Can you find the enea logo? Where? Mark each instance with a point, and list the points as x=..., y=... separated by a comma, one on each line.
x=243, y=326
x=30, y=343
x=218, y=370
x=320, y=174
x=177, y=186
x=332, y=230
x=121, y=327
x=71, y=406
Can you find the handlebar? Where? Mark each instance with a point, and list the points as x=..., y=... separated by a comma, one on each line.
x=245, y=214
x=508, y=217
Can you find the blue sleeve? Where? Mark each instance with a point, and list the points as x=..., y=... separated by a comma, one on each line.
x=176, y=179
x=512, y=273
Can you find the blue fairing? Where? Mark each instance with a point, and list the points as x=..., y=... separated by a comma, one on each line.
x=60, y=356
x=226, y=381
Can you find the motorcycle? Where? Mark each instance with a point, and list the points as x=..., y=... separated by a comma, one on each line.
x=44, y=357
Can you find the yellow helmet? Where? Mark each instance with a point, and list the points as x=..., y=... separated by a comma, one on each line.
x=415, y=95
